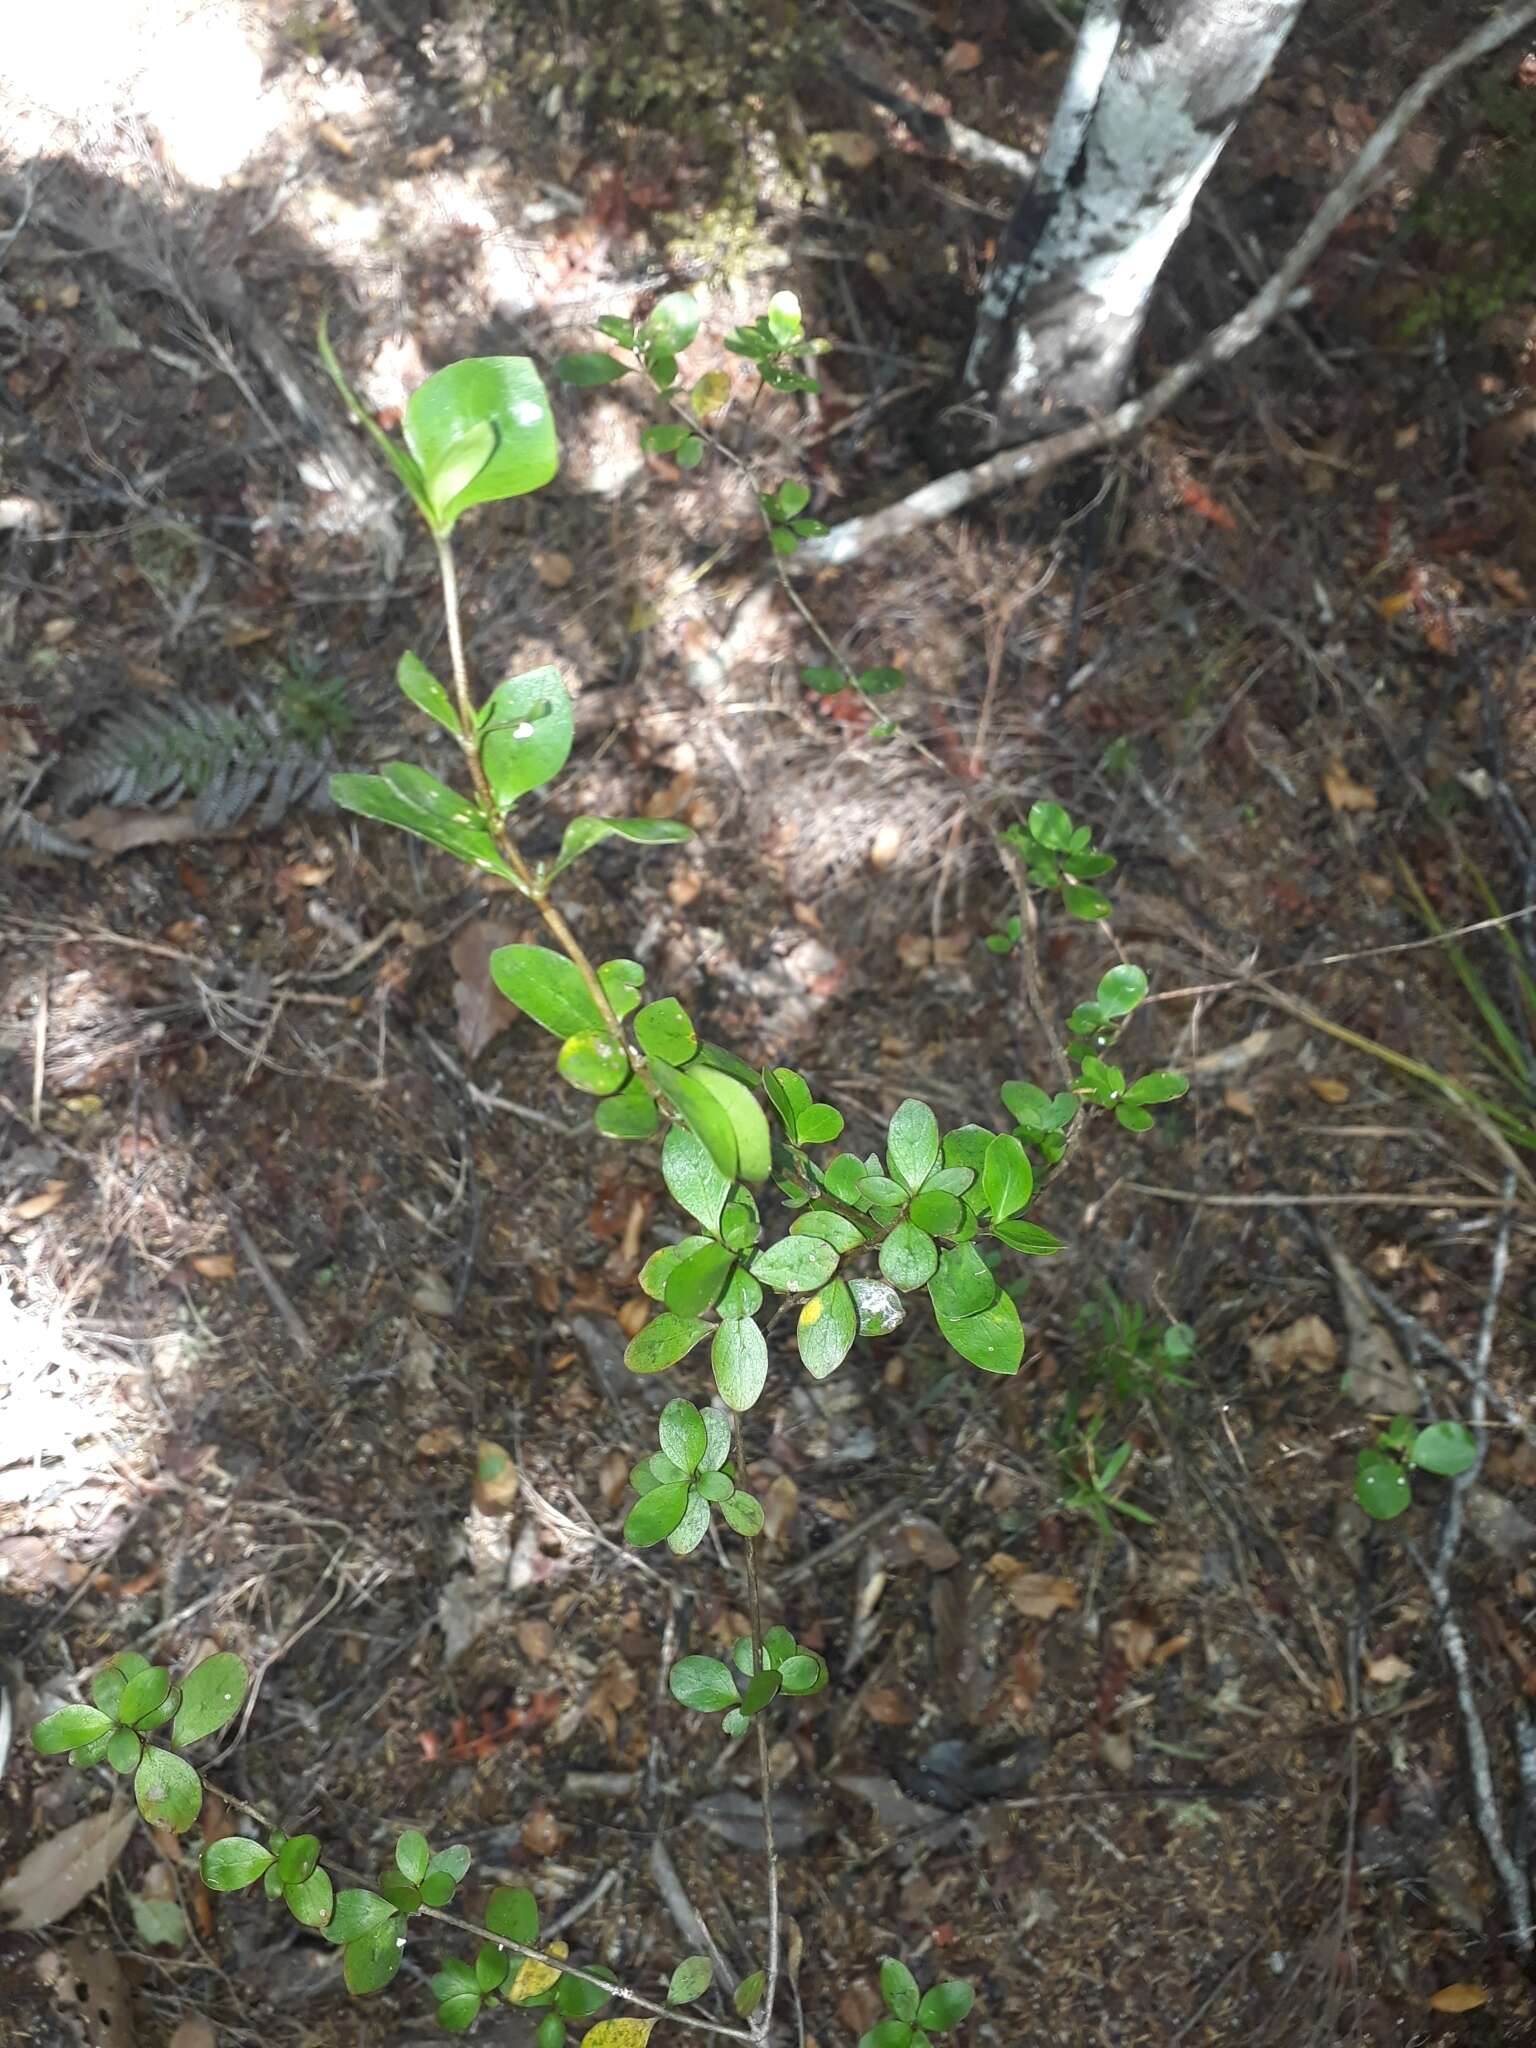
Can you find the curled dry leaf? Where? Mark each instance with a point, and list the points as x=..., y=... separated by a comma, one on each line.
x=962, y=57
x=1036, y=1595
x=536, y=1640
x=1388, y=1670
x=483, y=1010
x=215, y=1265
x=1458, y=1998
x=925, y=1540
x=33, y=1206
x=1135, y=1641
x=885, y=847
x=52, y=1879
x=1342, y=790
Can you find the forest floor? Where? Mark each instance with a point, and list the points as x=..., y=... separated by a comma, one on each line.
x=293, y=1221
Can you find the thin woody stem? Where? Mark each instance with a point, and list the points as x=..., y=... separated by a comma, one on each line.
x=762, y=2019
x=518, y=1948
x=506, y=845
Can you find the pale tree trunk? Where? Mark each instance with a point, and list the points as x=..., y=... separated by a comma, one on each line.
x=1154, y=89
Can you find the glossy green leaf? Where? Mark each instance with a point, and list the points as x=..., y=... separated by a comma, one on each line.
x=230, y=1865
x=748, y=1995
x=671, y=324
x=690, y=1980
x=713, y=1487
x=945, y=2006
x=526, y=727
x=656, y=1514
x=963, y=1284
x=693, y=1180
x=588, y=369
x=551, y=2029
x=664, y=1340
x=790, y=1095
x=740, y=1224
x=682, y=1435
x=355, y=1912
x=311, y=1900
x=1027, y=1237
x=1091, y=905
x=513, y=1913
x=578, y=2000
x=622, y=982
x=744, y=1513
x=582, y=834
x=839, y=1231
x=937, y=1213
x=717, y=1431
x=546, y=987
x=891, y=2033
x=412, y=1856
x=1007, y=1179
x=693, y=1527
x=169, y=1792
x=124, y=1748
x=630, y=1114
x=702, y=1112
x=594, y=1063
x=371, y=1961
x=297, y=1857
x=739, y=1356
x=418, y=683
x=742, y=1295
x=1161, y=1087
x=372, y=796
x=703, y=1683
x=898, y=1987
x=664, y=1031
x=1051, y=825
x=828, y=1324
x=445, y=430
x=803, y=1673
x=457, y=2013
x=796, y=1265
x=762, y=1687
x=992, y=1340
x=69, y=1728
x=1448, y=1448
x=908, y=1257
x=212, y=1693
x=108, y=1684
x=1121, y=990
x=912, y=1144
x=749, y=1126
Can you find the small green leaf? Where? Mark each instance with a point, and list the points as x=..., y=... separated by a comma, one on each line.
x=1163, y=1087
x=898, y=1987
x=739, y=1356
x=371, y=1961
x=1007, y=1180
x=69, y=1728
x=457, y=2013
x=744, y=1513
x=108, y=1684
x=142, y=1695
x=735, y=1724
x=828, y=1324
x=1121, y=990
x=454, y=409
x=826, y=682
x=703, y=1683
x=594, y=1063
x=748, y=1995
x=790, y=498
x=418, y=683
x=656, y=1514
x=713, y=1487
x=912, y=1144
x=412, y=1856
x=664, y=1031
x=124, y=1748
x=796, y=1265
x=880, y=682
x=582, y=834
x=211, y=1695
x=762, y=1687
x=513, y=1913
x=693, y=1528
x=1027, y=1237
x=1130, y=1118
x=742, y=1295
x=671, y=324
x=1381, y=1486
x=630, y=1114
x=354, y=1913
x=682, y=1435
x=963, y=1285
x=690, y=1980
x=993, y=1341
x=718, y=1430
x=622, y=981
x=938, y=1213
x=526, y=727
x=586, y=370
x=695, y=1283
x=1448, y=1448
x=1051, y=825
x=839, y=1231
x=888, y=2034
x=169, y=1792
x=692, y=1095
x=551, y=2029
x=881, y=1192
x=311, y=1900
x=945, y=2006
x=693, y=1179
x=908, y=1257
x=296, y=1859
x=546, y=987
x=1089, y=904
x=578, y=2000
x=230, y=1865
x=663, y=1341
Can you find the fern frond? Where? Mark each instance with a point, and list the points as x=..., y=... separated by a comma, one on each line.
x=152, y=755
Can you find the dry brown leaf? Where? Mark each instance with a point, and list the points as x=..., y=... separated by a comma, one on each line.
x=961, y=57
x=613, y=1478
x=542, y=1833
x=633, y=1315
x=1458, y=1998
x=483, y=1010
x=1388, y=1670
x=1307, y=1342
x=215, y=1265
x=684, y=888
x=1327, y=1090
x=1375, y=1376
x=42, y=1204
x=1239, y=1101
x=52, y=1879
x=424, y=158
x=113, y=831
x=496, y=1480
x=1174, y=1647
x=1342, y=790
x=88, y=1985
x=918, y=1537
x=616, y=1689
x=779, y=1505
x=890, y=1706
x=1136, y=1642
x=849, y=146
x=553, y=569
x=437, y=1443
x=1037, y=1595
x=334, y=140
x=536, y=1640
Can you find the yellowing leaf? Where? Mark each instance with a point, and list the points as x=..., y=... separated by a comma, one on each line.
x=712, y=391
x=619, y=2034
x=1449, y=1998
x=534, y=1977
x=850, y=146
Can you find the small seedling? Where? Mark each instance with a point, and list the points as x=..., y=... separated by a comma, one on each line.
x=1383, y=1486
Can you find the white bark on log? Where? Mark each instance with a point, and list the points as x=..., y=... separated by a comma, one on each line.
x=1153, y=93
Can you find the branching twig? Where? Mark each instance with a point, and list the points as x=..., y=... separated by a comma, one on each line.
x=947, y=494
